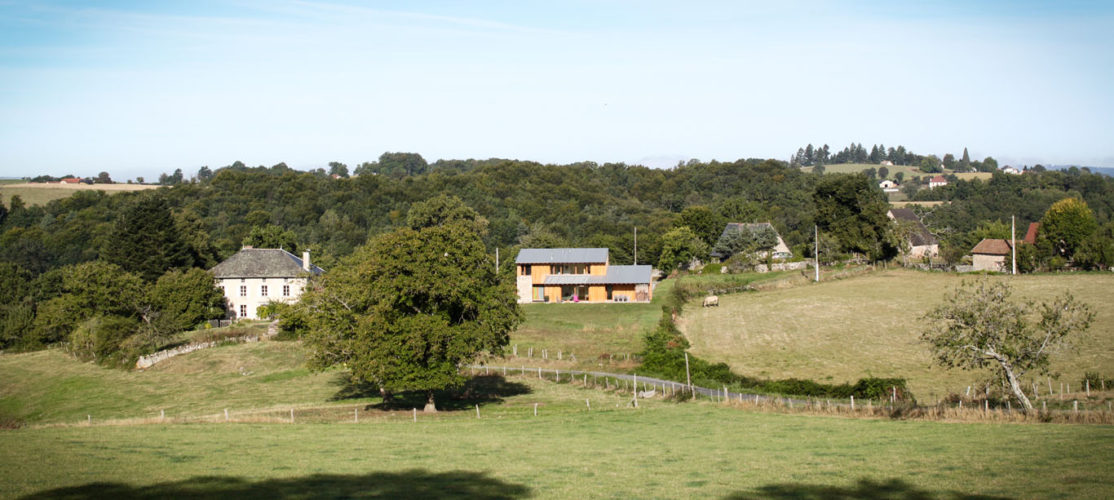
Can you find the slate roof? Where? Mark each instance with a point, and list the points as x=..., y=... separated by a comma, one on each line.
x=561, y=256
x=921, y=235
x=261, y=263
x=990, y=246
x=616, y=275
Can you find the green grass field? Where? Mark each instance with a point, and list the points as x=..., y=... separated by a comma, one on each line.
x=840, y=331
x=696, y=450
x=592, y=331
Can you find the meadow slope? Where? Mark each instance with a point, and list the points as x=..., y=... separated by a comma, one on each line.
x=840, y=331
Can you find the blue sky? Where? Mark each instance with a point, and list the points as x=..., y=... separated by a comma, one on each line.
x=139, y=88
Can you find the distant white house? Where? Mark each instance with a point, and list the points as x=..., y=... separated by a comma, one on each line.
x=256, y=276
x=887, y=163
x=889, y=186
x=1010, y=170
x=937, y=181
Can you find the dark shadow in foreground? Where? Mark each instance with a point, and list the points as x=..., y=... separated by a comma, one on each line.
x=865, y=489
x=478, y=390
x=415, y=483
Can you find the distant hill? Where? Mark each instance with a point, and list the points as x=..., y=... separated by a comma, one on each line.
x=1107, y=171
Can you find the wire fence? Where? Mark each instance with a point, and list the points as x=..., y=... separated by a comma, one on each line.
x=652, y=387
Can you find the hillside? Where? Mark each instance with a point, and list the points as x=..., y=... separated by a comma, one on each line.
x=869, y=326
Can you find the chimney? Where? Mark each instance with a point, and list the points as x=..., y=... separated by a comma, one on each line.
x=305, y=261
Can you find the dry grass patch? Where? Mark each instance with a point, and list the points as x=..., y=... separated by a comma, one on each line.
x=841, y=331
x=42, y=193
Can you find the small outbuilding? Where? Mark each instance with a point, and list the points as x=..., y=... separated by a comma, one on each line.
x=991, y=255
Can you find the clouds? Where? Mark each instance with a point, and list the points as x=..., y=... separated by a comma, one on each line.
x=148, y=88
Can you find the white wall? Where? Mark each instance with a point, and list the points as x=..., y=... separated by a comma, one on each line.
x=255, y=297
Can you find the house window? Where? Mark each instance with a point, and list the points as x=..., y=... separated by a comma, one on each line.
x=243, y=290
x=263, y=290
x=243, y=311
x=539, y=294
x=285, y=290
x=526, y=270
x=570, y=269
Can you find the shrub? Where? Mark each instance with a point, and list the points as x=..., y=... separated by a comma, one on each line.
x=711, y=269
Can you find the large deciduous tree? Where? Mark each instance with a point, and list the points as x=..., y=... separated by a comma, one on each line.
x=978, y=326
x=853, y=210
x=679, y=247
x=406, y=310
x=1066, y=225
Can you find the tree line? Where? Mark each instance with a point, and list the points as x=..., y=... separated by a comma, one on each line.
x=680, y=214
x=818, y=156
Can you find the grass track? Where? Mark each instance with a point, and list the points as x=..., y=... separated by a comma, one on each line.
x=666, y=451
x=869, y=325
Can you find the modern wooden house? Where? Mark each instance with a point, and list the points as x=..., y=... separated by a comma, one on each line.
x=253, y=277
x=579, y=275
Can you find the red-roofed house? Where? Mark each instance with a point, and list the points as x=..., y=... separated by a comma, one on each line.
x=71, y=180
x=1031, y=234
x=937, y=181
x=990, y=255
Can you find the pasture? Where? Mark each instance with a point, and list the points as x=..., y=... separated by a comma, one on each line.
x=43, y=193
x=601, y=333
x=854, y=168
x=695, y=450
x=840, y=331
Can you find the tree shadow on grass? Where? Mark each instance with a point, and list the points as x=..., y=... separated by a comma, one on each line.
x=416, y=483
x=864, y=489
x=478, y=390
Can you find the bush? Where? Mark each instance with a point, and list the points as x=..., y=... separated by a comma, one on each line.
x=100, y=338
x=711, y=269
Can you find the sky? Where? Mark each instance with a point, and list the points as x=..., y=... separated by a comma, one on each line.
x=140, y=88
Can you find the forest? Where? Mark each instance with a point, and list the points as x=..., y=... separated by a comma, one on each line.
x=140, y=239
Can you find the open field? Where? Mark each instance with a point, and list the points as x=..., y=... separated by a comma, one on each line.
x=42, y=193
x=903, y=204
x=697, y=450
x=851, y=168
x=969, y=176
x=840, y=331
x=590, y=331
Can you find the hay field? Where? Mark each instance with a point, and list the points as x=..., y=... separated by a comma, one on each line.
x=42, y=193
x=840, y=331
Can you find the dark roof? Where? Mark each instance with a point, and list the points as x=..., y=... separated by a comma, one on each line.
x=261, y=263
x=561, y=256
x=1031, y=234
x=921, y=236
x=992, y=247
x=616, y=275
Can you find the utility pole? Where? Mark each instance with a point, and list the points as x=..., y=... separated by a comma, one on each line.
x=816, y=250
x=1013, y=242
x=636, y=245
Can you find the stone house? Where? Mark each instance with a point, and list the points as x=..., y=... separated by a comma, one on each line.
x=937, y=181
x=254, y=277
x=921, y=241
x=780, y=251
x=579, y=275
x=991, y=255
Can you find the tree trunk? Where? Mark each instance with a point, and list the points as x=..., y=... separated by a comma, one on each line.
x=1015, y=386
x=430, y=407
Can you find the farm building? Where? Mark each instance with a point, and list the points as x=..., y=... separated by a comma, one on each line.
x=780, y=250
x=991, y=255
x=578, y=275
x=921, y=242
x=937, y=181
x=256, y=276
x=889, y=186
